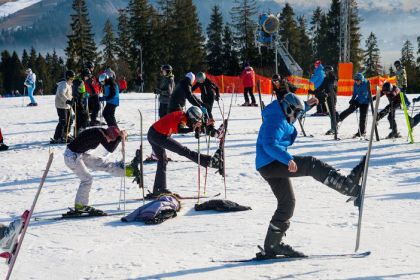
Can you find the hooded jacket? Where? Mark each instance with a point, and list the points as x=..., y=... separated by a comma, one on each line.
x=318, y=76
x=361, y=93
x=274, y=137
x=248, y=77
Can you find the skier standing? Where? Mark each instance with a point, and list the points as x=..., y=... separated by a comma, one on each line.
x=360, y=99
x=79, y=96
x=93, y=88
x=182, y=92
x=317, y=79
x=30, y=84
x=3, y=147
x=328, y=86
x=159, y=136
x=276, y=165
x=209, y=92
x=112, y=98
x=248, y=82
x=165, y=88
x=63, y=102
x=393, y=95
x=79, y=161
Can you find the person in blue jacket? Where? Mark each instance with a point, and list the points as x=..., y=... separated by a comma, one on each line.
x=276, y=165
x=30, y=84
x=317, y=79
x=360, y=100
x=112, y=98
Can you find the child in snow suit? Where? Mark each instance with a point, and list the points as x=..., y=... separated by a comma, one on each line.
x=30, y=84
x=393, y=95
x=276, y=165
x=165, y=88
x=63, y=102
x=159, y=137
x=248, y=81
x=79, y=161
x=209, y=92
x=112, y=98
x=360, y=99
x=3, y=147
x=182, y=92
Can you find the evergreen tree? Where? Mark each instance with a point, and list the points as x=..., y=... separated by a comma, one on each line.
x=356, y=53
x=315, y=31
x=123, y=35
x=5, y=65
x=81, y=44
x=230, y=56
x=333, y=34
x=242, y=14
x=188, y=50
x=371, y=57
x=32, y=60
x=42, y=75
x=165, y=30
x=288, y=30
x=214, y=45
x=407, y=55
x=110, y=45
x=304, y=50
x=17, y=75
x=25, y=59
x=418, y=52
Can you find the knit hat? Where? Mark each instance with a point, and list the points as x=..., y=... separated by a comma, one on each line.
x=113, y=132
x=191, y=76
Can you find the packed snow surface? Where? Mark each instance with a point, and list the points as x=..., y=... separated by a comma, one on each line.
x=183, y=247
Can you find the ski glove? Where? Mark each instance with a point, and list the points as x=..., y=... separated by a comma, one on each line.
x=70, y=102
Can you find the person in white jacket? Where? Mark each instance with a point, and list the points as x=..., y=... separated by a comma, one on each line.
x=63, y=102
x=30, y=82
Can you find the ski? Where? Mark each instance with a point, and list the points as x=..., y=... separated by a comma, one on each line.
x=287, y=259
x=360, y=200
x=407, y=118
x=26, y=219
x=184, y=197
x=66, y=216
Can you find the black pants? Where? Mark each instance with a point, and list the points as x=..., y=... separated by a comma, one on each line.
x=332, y=102
x=64, y=121
x=94, y=107
x=163, y=109
x=363, y=114
x=82, y=117
x=109, y=114
x=390, y=111
x=160, y=143
x=278, y=177
x=249, y=90
x=208, y=103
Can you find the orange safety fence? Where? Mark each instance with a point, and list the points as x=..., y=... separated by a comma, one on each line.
x=233, y=84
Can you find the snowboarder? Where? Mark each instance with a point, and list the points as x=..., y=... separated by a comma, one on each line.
x=93, y=88
x=360, y=99
x=30, y=84
x=3, y=147
x=281, y=87
x=401, y=75
x=276, y=165
x=63, y=103
x=165, y=88
x=317, y=79
x=182, y=92
x=79, y=161
x=248, y=82
x=111, y=96
x=393, y=95
x=159, y=136
x=209, y=92
x=7, y=234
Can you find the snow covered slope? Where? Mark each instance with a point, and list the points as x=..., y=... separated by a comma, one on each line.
x=182, y=248
x=15, y=6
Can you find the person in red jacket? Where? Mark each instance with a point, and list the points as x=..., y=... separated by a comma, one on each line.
x=159, y=136
x=248, y=81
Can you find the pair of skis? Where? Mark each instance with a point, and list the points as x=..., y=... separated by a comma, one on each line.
x=12, y=255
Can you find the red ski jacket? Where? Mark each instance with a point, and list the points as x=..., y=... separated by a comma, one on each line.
x=248, y=77
x=169, y=124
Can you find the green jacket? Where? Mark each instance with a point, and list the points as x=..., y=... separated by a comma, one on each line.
x=165, y=89
x=401, y=78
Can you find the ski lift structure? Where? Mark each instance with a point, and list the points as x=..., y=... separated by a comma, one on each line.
x=267, y=36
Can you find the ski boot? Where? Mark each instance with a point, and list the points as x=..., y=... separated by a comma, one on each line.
x=151, y=158
x=330, y=132
x=246, y=104
x=84, y=210
x=273, y=246
x=132, y=170
x=358, y=134
x=3, y=147
x=393, y=134
x=217, y=162
x=253, y=104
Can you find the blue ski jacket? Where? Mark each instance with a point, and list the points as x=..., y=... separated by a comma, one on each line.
x=274, y=137
x=113, y=99
x=318, y=76
x=361, y=93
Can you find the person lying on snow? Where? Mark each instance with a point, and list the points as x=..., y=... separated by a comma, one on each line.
x=276, y=165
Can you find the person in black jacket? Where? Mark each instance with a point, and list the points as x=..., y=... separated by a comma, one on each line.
x=79, y=96
x=281, y=87
x=209, y=92
x=79, y=161
x=328, y=87
x=182, y=92
x=165, y=88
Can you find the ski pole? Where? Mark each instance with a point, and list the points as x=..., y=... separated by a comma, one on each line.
x=207, y=169
x=141, y=182
x=197, y=133
x=122, y=185
x=155, y=106
x=68, y=124
x=23, y=97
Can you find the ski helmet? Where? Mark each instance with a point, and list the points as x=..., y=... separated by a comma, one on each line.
x=166, y=67
x=291, y=105
x=329, y=68
x=194, y=114
x=201, y=77
x=86, y=73
x=69, y=74
x=113, y=132
x=102, y=78
x=387, y=87
x=358, y=77
x=276, y=77
x=89, y=65
x=397, y=63
x=191, y=76
x=29, y=70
